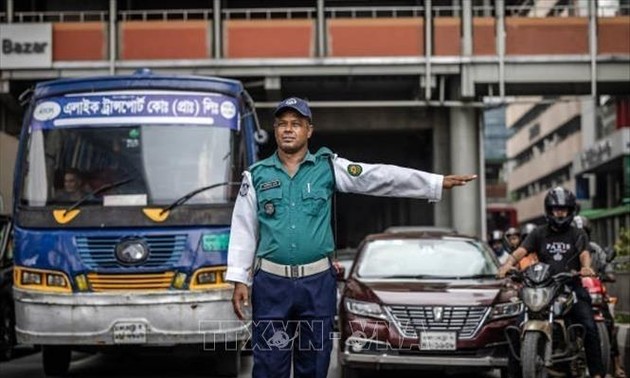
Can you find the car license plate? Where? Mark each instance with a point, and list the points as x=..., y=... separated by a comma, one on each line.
x=130, y=333
x=438, y=340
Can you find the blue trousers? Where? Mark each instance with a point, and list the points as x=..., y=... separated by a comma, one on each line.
x=292, y=322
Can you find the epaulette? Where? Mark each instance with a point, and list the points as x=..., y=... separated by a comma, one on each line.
x=259, y=163
x=324, y=152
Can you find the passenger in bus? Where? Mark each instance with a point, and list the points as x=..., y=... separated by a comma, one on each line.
x=73, y=186
x=281, y=241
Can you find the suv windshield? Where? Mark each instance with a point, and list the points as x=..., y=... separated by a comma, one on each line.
x=426, y=258
x=163, y=161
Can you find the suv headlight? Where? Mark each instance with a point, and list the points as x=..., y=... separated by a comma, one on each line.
x=372, y=310
x=537, y=298
x=506, y=310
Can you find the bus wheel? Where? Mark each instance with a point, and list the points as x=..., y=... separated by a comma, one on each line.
x=56, y=360
x=7, y=331
x=228, y=362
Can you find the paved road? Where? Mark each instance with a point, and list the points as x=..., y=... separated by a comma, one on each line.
x=27, y=364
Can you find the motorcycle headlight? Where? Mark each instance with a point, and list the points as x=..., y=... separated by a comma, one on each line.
x=372, y=310
x=506, y=310
x=537, y=298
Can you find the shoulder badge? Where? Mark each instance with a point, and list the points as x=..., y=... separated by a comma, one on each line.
x=244, y=189
x=355, y=170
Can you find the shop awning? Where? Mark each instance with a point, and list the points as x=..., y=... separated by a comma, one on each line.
x=605, y=213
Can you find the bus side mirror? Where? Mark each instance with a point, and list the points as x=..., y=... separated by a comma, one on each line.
x=261, y=136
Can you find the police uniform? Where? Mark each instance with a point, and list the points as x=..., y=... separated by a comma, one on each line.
x=281, y=242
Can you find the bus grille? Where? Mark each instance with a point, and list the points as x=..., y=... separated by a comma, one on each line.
x=413, y=319
x=99, y=251
x=130, y=282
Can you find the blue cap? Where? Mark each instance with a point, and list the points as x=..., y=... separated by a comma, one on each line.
x=295, y=103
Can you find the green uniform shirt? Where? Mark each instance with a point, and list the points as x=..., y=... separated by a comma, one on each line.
x=294, y=212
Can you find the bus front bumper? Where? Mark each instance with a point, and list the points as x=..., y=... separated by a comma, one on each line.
x=152, y=319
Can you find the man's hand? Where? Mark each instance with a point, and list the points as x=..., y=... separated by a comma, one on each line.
x=586, y=272
x=241, y=294
x=503, y=270
x=456, y=180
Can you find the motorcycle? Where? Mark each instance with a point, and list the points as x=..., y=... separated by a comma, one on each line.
x=599, y=299
x=546, y=344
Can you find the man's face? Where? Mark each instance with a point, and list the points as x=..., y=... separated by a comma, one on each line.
x=292, y=131
x=560, y=212
x=514, y=240
x=71, y=182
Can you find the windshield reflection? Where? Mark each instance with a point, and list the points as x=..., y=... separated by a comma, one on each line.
x=425, y=258
x=165, y=162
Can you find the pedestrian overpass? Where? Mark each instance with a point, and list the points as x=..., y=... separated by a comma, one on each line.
x=413, y=72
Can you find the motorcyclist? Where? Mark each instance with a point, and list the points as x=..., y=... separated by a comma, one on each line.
x=565, y=249
x=604, y=270
x=512, y=239
x=496, y=242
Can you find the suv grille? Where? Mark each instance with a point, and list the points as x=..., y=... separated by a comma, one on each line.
x=411, y=320
x=99, y=251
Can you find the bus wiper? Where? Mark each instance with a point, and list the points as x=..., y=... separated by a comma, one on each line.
x=97, y=191
x=183, y=199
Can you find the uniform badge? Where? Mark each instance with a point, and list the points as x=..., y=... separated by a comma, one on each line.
x=244, y=189
x=269, y=208
x=269, y=185
x=355, y=170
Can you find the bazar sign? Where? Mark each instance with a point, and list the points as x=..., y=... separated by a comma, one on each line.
x=25, y=45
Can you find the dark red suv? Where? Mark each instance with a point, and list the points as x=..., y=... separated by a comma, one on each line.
x=425, y=298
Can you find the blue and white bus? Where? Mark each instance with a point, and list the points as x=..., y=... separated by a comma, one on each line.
x=138, y=256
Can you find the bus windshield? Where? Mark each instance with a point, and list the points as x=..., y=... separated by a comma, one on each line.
x=163, y=161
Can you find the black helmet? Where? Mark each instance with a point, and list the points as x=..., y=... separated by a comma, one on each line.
x=581, y=222
x=527, y=229
x=559, y=197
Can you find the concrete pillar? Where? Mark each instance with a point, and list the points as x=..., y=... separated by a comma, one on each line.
x=589, y=121
x=441, y=164
x=113, y=35
x=321, y=30
x=216, y=24
x=10, y=10
x=466, y=201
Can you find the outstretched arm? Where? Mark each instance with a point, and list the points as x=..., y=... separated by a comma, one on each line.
x=392, y=181
x=452, y=181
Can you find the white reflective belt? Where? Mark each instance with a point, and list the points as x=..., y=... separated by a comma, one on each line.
x=295, y=271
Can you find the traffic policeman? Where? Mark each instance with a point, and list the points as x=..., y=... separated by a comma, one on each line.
x=281, y=241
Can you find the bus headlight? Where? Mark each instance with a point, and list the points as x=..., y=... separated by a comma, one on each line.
x=31, y=278
x=54, y=279
x=41, y=280
x=206, y=278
